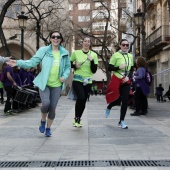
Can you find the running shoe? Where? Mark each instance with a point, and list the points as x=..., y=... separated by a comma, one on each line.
x=122, y=125
x=107, y=113
x=42, y=126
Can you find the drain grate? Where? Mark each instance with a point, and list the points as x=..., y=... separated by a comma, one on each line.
x=95, y=163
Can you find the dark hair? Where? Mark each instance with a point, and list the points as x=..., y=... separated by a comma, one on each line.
x=90, y=41
x=141, y=62
x=52, y=32
x=122, y=41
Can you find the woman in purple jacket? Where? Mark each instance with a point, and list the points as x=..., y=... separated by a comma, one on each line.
x=141, y=88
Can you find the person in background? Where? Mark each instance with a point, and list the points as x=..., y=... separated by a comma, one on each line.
x=95, y=89
x=85, y=62
x=2, y=92
x=2, y=61
x=159, y=93
x=50, y=81
x=9, y=85
x=92, y=89
x=121, y=63
x=142, y=89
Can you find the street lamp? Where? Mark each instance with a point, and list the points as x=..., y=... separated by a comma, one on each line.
x=22, y=21
x=139, y=22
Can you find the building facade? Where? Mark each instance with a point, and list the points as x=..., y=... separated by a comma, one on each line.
x=157, y=28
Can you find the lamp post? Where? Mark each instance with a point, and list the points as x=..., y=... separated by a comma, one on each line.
x=22, y=21
x=139, y=22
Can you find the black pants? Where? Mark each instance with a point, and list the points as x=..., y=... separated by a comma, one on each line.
x=2, y=94
x=159, y=98
x=9, y=92
x=123, y=99
x=82, y=95
x=140, y=100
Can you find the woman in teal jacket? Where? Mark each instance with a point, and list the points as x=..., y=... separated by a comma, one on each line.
x=55, y=70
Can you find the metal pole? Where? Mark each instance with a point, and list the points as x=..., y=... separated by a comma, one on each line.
x=139, y=40
x=22, y=43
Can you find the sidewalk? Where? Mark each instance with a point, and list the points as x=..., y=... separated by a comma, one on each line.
x=147, y=138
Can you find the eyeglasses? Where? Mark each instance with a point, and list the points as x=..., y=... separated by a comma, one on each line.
x=127, y=45
x=56, y=36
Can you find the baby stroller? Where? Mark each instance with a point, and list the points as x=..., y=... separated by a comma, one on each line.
x=167, y=95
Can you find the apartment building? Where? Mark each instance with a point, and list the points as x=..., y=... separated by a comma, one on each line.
x=157, y=27
x=94, y=17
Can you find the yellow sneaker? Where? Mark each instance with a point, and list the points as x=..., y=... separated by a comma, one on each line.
x=79, y=123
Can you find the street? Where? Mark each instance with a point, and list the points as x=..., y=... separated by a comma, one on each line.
x=100, y=139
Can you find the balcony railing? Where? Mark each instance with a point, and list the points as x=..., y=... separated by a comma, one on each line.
x=150, y=2
x=160, y=36
x=122, y=3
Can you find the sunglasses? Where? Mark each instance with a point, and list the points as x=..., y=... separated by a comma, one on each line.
x=127, y=45
x=56, y=36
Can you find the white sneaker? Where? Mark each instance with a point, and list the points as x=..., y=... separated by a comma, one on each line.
x=122, y=125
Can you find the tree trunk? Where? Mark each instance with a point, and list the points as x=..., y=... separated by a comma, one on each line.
x=4, y=44
x=2, y=36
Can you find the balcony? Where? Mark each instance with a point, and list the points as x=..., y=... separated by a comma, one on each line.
x=158, y=39
x=149, y=3
x=122, y=4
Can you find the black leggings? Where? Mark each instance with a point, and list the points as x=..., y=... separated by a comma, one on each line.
x=124, y=95
x=82, y=94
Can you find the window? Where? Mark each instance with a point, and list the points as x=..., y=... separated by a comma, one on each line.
x=70, y=7
x=124, y=15
x=85, y=29
x=100, y=26
x=98, y=4
x=83, y=18
x=99, y=14
x=83, y=6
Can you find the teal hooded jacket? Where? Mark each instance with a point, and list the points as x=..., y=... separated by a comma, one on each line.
x=45, y=57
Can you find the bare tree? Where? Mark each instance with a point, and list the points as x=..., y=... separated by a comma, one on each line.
x=2, y=36
x=45, y=16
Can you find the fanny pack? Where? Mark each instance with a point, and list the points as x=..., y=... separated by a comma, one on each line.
x=84, y=80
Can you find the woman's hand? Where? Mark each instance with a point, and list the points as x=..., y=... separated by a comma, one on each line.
x=122, y=66
x=11, y=62
x=78, y=65
x=89, y=57
x=62, y=79
x=125, y=79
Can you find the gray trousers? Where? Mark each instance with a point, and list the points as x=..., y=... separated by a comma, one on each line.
x=49, y=98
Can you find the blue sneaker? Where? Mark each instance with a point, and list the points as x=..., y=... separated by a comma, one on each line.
x=48, y=132
x=42, y=126
x=122, y=125
x=107, y=113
